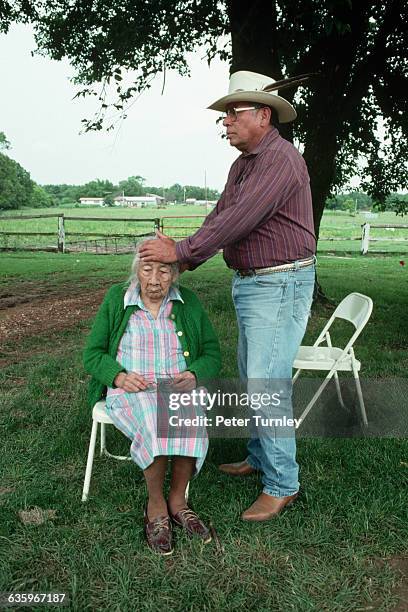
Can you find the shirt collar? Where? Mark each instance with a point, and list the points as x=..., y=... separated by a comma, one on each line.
x=263, y=144
x=133, y=297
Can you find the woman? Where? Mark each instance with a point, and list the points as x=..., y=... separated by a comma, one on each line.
x=145, y=331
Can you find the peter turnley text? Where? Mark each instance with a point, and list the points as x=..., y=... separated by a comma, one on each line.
x=221, y=421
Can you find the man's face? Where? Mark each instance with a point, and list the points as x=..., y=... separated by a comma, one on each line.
x=155, y=279
x=248, y=128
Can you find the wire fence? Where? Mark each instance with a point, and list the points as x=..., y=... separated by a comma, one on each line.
x=94, y=237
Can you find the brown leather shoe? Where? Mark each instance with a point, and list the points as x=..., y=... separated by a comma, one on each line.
x=267, y=507
x=188, y=520
x=242, y=468
x=158, y=534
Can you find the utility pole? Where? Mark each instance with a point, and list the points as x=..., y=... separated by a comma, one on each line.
x=206, y=192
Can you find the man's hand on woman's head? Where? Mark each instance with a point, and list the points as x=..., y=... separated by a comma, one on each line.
x=163, y=249
x=130, y=382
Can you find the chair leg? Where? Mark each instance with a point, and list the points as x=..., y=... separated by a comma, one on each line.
x=103, y=439
x=89, y=463
x=360, y=397
x=338, y=389
x=315, y=398
x=296, y=376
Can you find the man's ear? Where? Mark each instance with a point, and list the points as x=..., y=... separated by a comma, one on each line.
x=266, y=115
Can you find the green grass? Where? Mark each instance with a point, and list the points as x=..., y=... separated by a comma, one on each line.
x=324, y=554
x=55, y=268
x=337, y=224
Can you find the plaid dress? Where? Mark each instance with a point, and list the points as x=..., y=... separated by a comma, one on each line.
x=152, y=348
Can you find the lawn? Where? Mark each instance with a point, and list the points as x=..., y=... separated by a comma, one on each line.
x=343, y=546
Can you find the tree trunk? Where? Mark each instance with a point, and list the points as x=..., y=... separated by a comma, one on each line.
x=320, y=152
x=255, y=45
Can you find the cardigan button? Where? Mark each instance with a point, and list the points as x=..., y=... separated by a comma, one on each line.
x=173, y=316
x=186, y=354
x=179, y=333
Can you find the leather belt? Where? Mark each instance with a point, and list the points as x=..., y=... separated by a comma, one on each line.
x=302, y=263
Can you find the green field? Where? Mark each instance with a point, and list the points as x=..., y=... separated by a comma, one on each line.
x=335, y=225
x=342, y=547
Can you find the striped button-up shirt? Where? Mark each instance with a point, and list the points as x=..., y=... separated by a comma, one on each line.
x=264, y=216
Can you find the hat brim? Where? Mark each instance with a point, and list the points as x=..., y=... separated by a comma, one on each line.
x=286, y=112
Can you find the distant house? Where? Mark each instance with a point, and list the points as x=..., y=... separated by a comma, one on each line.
x=139, y=201
x=149, y=199
x=92, y=201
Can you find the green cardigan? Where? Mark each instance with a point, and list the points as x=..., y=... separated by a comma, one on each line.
x=199, y=342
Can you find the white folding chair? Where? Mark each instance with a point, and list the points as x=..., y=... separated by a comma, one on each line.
x=100, y=416
x=355, y=308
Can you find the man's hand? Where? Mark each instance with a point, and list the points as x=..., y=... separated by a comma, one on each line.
x=130, y=382
x=163, y=249
x=186, y=381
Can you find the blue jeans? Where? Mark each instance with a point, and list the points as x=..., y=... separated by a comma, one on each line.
x=272, y=313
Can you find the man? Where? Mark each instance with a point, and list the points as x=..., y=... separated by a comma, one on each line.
x=263, y=221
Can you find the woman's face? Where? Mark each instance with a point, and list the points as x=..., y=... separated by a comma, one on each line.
x=155, y=280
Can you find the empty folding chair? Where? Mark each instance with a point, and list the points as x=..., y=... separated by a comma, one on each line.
x=355, y=308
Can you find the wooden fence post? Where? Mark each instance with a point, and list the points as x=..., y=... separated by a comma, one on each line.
x=365, y=238
x=61, y=234
x=157, y=225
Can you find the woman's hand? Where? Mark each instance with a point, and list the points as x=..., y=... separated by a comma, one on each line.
x=186, y=381
x=130, y=382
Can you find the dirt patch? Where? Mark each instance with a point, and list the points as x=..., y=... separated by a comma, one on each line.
x=26, y=291
x=399, y=564
x=41, y=316
x=36, y=516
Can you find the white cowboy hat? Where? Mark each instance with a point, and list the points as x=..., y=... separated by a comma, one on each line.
x=247, y=86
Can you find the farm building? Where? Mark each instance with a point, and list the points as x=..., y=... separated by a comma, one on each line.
x=140, y=201
x=130, y=201
x=91, y=201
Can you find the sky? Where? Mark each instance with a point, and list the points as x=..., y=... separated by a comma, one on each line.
x=167, y=139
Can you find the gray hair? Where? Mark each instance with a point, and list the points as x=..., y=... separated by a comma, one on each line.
x=175, y=271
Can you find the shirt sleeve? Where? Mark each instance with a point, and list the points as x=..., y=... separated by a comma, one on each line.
x=260, y=196
x=182, y=247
